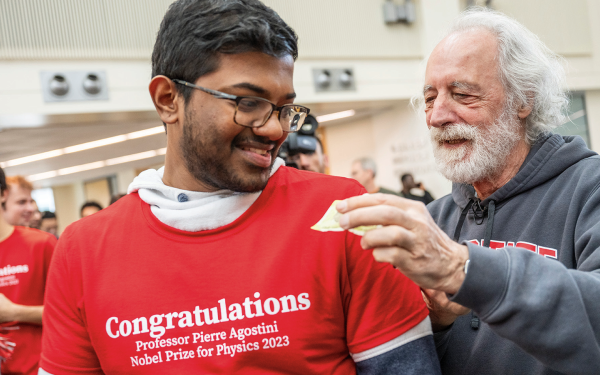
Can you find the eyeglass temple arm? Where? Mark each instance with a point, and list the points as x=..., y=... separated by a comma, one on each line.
x=222, y=95
x=216, y=94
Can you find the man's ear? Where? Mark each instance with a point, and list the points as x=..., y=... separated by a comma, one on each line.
x=525, y=110
x=166, y=99
x=3, y=199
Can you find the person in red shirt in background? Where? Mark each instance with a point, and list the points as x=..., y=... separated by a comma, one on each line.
x=19, y=206
x=24, y=260
x=209, y=265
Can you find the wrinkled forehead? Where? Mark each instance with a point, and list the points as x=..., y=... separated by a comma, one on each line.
x=470, y=57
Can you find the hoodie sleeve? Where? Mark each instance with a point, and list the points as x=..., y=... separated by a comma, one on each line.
x=548, y=310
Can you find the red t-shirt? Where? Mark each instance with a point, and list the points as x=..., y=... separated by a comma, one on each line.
x=265, y=294
x=24, y=262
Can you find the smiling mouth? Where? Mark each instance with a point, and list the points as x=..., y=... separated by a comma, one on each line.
x=455, y=141
x=261, y=157
x=255, y=150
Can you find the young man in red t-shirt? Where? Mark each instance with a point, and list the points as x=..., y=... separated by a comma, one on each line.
x=24, y=261
x=209, y=265
x=19, y=206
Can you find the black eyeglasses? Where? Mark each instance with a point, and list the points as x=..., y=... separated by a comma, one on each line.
x=254, y=112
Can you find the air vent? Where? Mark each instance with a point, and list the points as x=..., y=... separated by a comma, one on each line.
x=334, y=79
x=72, y=86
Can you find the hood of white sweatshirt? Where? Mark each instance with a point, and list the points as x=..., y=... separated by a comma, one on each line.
x=192, y=211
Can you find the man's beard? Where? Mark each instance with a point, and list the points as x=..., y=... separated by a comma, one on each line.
x=204, y=155
x=485, y=153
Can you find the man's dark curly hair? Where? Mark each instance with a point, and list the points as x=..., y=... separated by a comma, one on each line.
x=194, y=32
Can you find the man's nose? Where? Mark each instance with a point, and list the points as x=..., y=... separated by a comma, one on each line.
x=271, y=129
x=442, y=112
x=304, y=160
x=30, y=207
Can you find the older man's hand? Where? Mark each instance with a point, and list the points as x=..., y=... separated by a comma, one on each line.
x=409, y=239
x=442, y=312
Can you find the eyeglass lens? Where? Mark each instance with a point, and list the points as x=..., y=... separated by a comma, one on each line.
x=254, y=113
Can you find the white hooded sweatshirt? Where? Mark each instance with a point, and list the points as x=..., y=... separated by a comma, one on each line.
x=192, y=211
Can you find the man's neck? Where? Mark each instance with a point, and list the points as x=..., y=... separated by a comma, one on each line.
x=514, y=161
x=5, y=228
x=371, y=187
x=406, y=190
x=178, y=176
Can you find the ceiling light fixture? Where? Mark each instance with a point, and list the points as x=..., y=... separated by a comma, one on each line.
x=97, y=164
x=82, y=147
x=81, y=168
x=336, y=116
x=94, y=144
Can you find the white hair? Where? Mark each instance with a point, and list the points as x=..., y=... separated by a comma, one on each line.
x=367, y=164
x=532, y=75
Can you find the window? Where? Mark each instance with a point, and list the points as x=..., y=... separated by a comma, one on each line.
x=44, y=199
x=578, y=119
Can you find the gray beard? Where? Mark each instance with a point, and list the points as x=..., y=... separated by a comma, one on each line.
x=483, y=157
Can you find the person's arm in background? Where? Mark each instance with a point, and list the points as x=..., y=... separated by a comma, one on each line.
x=13, y=312
x=428, y=197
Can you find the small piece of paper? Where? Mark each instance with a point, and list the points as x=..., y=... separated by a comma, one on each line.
x=330, y=222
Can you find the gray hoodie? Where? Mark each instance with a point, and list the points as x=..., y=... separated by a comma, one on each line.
x=535, y=299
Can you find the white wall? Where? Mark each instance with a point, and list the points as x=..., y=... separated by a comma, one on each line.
x=21, y=93
x=68, y=200
x=347, y=142
x=124, y=178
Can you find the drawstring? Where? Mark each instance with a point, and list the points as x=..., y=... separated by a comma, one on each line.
x=478, y=212
x=491, y=210
x=463, y=215
x=474, y=320
x=490, y=223
x=479, y=215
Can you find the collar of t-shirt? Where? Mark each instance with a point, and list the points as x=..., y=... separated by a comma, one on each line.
x=192, y=211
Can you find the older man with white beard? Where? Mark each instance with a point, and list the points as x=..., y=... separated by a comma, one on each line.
x=509, y=262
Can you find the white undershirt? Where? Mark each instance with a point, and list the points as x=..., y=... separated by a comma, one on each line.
x=192, y=211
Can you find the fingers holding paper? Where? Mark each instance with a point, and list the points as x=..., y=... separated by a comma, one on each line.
x=408, y=238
